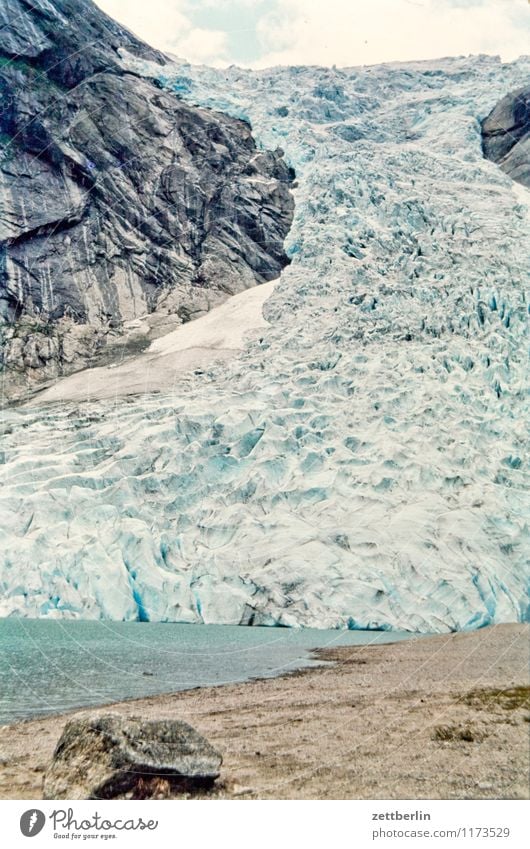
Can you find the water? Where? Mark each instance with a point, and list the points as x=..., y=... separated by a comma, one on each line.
x=50, y=666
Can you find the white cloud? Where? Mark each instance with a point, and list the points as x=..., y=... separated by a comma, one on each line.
x=203, y=45
x=340, y=32
x=159, y=22
x=164, y=24
x=371, y=31
x=222, y=4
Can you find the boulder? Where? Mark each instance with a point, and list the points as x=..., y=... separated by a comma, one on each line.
x=506, y=135
x=105, y=756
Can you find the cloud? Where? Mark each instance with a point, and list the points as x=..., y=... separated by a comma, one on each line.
x=159, y=22
x=222, y=4
x=166, y=24
x=372, y=31
x=327, y=32
x=204, y=45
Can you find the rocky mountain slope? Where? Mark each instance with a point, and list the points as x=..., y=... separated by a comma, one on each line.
x=364, y=462
x=506, y=135
x=117, y=199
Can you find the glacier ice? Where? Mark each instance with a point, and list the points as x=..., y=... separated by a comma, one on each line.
x=363, y=463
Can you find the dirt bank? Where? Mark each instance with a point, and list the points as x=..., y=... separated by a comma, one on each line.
x=441, y=717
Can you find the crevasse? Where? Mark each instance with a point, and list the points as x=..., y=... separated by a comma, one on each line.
x=364, y=462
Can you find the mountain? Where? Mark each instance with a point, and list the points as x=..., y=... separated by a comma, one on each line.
x=506, y=135
x=118, y=200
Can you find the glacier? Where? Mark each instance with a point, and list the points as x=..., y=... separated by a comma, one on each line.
x=363, y=462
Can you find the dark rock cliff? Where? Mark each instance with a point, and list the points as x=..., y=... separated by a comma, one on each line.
x=506, y=135
x=117, y=200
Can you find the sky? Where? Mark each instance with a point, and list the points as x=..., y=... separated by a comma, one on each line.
x=261, y=33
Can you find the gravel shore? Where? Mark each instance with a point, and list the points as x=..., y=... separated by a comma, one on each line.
x=442, y=717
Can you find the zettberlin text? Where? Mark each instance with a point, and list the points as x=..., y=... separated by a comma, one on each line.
x=397, y=815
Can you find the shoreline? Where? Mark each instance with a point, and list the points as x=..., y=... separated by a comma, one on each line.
x=443, y=717
x=170, y=658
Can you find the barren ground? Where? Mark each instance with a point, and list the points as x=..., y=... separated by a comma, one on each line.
x=442, y=717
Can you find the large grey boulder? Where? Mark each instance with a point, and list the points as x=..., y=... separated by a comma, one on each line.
x=506, y=135
x=109, y=755
x=118, y=201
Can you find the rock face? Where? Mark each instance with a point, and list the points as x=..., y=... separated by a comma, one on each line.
x=118, y=200
x=506, y=135
x=109, y=755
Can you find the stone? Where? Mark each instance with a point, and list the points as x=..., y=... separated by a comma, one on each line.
x=108, y=755
x=506, y=135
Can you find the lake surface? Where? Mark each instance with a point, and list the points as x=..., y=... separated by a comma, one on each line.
x=50, y=666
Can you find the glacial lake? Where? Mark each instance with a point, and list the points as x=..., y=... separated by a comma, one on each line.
x=51, y=666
